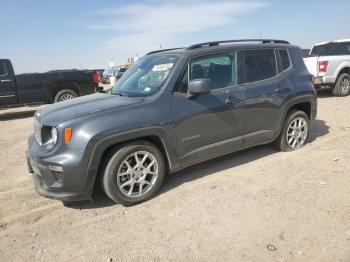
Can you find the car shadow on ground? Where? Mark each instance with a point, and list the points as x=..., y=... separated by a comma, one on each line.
x=16, y=115
x=319, y=128
x=324, y=93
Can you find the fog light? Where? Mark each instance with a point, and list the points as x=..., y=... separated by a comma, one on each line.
x=57, y=169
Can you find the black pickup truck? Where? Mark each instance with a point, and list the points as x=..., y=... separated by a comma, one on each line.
x=40, y=88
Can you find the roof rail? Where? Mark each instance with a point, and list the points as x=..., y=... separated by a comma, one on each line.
x=163, y=50
x=216, y=43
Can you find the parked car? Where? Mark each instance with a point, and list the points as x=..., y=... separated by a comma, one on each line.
x=172, y=109
x=329, y=63
x=112, y=71
x=39, y=88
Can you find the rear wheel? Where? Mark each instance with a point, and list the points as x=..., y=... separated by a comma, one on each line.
x=134, y=173
x=67, y=203
x=65, y=94
x=342, y=86
x=295, y=131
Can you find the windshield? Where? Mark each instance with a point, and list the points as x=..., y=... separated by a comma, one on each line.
x=331, y=49
x=147, y=76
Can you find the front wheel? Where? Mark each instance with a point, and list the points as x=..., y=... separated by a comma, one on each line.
x=342, y=86
x=65, y=94
x=134, y=173
x=295, y=131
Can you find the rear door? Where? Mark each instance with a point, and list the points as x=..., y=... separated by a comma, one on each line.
x=266, y=88
x=8, y=90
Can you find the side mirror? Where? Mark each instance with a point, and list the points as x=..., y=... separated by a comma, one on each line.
x=198, y=87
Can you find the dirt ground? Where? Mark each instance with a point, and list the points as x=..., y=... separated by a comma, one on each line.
x=255, y=205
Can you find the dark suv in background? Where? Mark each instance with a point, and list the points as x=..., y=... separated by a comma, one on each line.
x=172, y=109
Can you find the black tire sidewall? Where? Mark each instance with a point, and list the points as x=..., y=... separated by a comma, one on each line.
x=109, y=180
x=337, y=88
x=282, y=140
x=63, y=92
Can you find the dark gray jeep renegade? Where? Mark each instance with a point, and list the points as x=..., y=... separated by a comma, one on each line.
x=172, y=109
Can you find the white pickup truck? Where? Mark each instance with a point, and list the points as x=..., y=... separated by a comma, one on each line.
x=329, y=63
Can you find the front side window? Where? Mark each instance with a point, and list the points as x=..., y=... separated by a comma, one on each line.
x=146, y=76
x=256, y=65
x=3, y=69
x=219, y=68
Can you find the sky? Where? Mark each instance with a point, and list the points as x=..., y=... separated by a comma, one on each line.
x=41, y=35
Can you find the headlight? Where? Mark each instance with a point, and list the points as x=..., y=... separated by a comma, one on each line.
x=54, y=135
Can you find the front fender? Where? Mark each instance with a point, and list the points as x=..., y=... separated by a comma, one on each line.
x=101, y=142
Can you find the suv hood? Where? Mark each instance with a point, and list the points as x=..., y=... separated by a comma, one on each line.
x=55, y=114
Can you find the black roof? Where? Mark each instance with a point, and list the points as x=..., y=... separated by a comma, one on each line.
x=226, y=44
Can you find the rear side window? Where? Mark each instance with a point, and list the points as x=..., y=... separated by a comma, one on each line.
x=285, y=61
x=256, y=65
x=3, y=69
x=331, y=49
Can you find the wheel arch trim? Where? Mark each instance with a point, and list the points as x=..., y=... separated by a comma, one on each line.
x=99, y=144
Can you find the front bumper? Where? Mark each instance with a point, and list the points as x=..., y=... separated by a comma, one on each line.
x=57, y=185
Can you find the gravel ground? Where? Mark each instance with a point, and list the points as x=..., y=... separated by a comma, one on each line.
x=255, y=205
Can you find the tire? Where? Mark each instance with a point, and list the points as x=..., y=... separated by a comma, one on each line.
x=65, y=94
x=342, y=86
x=293, y=118
x=67, y=203
x=141, y=181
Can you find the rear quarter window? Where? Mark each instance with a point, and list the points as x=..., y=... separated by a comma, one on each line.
x=285, y=59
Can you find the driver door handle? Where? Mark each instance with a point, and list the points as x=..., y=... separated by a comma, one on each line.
x=6, y=80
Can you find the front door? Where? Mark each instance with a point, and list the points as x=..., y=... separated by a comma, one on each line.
x=8, y=91
x=208, y=125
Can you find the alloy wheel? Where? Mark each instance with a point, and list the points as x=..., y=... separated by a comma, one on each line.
x=345, y=86
x=297, y=133
x=66, y=97
x=137, y=174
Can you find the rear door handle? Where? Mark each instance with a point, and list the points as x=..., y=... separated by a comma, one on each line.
x=6, y=80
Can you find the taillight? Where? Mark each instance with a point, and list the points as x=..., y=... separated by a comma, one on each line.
x=95, y=77
x=322, y=66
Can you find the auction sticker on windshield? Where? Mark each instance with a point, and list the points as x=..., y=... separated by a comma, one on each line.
x=162, y=67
